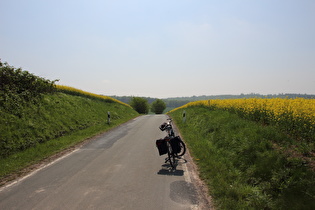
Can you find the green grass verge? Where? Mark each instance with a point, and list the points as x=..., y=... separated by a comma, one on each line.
x=55, y=123
x=246, y=165
x=20, y=160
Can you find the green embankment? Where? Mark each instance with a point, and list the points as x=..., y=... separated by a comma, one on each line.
x=55, y=122
x=39, y=119
x=245, y=164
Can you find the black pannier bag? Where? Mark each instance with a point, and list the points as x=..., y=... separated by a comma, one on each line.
x=162, y=147
x=175, y=143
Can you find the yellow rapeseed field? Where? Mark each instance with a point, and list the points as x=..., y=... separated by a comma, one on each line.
x=76, y=91
x=297, y=116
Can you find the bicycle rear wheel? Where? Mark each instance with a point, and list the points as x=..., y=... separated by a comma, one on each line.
x=182, y=148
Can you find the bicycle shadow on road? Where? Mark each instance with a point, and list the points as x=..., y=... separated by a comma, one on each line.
x=167, y=170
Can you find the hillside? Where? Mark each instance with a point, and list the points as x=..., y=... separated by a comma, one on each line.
x=56, y=115
x=253, y=153
x=35, y=113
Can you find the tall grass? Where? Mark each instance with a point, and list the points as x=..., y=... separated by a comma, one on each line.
x=241, y=161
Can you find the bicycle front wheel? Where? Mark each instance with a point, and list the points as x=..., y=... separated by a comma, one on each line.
x=171, y=156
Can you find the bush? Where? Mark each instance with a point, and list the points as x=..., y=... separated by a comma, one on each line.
x=140, y=105
x=158, y=106
x=18, y=87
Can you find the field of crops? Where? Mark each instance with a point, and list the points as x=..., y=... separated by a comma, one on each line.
x=294, y=116
x=78, y=92
x=254, y=153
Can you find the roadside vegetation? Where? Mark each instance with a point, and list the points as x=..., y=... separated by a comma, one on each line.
x=250, y=156
x=38, y=118
x=158, y=106
x=142, y=106
x=139, y=104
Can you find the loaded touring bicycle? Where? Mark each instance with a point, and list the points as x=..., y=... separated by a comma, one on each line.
x=171, y=144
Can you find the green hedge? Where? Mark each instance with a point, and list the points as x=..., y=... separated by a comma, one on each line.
x=19, y=88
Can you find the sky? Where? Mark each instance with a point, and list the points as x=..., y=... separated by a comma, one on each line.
x=165, y=48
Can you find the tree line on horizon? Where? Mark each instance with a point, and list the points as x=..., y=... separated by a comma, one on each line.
x=175, y=102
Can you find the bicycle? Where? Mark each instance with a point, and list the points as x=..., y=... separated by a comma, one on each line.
x=171, y=134
x=174, y=146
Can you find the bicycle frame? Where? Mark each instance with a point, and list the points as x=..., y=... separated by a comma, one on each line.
x=169, y=128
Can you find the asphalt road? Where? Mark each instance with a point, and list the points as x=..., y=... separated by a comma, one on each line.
x=120, y=169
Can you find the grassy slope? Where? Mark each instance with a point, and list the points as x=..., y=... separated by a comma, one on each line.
x=238, y=160
x=57, y=122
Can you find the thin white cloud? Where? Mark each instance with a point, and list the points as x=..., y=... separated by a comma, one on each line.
x=106, y=81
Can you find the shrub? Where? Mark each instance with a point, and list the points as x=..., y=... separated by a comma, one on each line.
x=140, y=105
x=18, y=87
x=158, y=106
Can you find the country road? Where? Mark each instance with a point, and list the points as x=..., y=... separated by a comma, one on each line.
x=120, y=169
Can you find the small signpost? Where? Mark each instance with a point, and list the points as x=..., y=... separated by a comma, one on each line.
x=108, y=117
x=184, y=116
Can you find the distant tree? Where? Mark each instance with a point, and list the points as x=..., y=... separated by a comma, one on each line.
x=158, y=106
x=141, y=105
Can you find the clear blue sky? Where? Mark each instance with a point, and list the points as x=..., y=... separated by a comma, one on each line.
x=164, y=48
